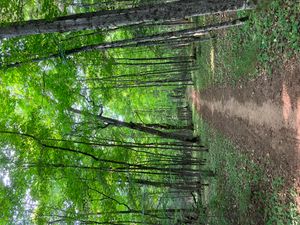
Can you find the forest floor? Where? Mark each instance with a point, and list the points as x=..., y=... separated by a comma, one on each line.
x=247, y=112
x=261, y=117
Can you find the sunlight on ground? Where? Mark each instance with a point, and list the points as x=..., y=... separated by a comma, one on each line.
x=212, y=61
x=286, y=112
x=194, y=96
x=298, y=150
x=286, y=104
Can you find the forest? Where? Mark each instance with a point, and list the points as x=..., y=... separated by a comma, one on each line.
x=106, y=112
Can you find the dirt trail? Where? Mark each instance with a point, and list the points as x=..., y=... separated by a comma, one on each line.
x=261, y=116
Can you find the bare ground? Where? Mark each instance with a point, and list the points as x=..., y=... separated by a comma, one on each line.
x=262, y=117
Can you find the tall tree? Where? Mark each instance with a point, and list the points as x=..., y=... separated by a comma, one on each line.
x=139, y=127
x=108, y=19
x=196, y=34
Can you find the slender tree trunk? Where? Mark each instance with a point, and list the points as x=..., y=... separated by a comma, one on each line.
x=137, y=83
x=108, y=19
x=150, y=63
x=139, y=127
x=170, y=84
x=169, y=126
x=163, y=184
x=164, y=72
x=175, y=58
x=82, y=221
x=131, y=145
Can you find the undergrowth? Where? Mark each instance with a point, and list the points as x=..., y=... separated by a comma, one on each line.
x=261, y=45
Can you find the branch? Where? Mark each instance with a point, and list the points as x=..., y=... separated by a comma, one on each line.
x=113, y=199
x=101, y=110
x=104, y=126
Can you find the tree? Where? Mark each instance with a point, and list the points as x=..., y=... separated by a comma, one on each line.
x=109, y=19
x=139, y=127
x=196, y=34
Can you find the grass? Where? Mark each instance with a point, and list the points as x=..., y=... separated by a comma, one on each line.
x=275, y=27
x=270, y=36
x=231, y=190
x=241, y=193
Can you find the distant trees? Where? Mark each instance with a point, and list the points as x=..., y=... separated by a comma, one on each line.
x=158, y=173
x=108, y=19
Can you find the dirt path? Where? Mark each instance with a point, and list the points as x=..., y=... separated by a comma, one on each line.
x=262, y=117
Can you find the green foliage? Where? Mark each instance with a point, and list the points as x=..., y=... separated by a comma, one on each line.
x=11, y=11
x=279, y=211
x=67, y=167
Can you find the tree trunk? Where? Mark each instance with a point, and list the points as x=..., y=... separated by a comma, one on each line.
x=108, y=19
x=174, y=36
x=139, y=127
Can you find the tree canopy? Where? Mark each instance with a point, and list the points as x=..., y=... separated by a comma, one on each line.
x=98, y=137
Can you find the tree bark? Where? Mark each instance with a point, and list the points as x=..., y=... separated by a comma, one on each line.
x=108, y=19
